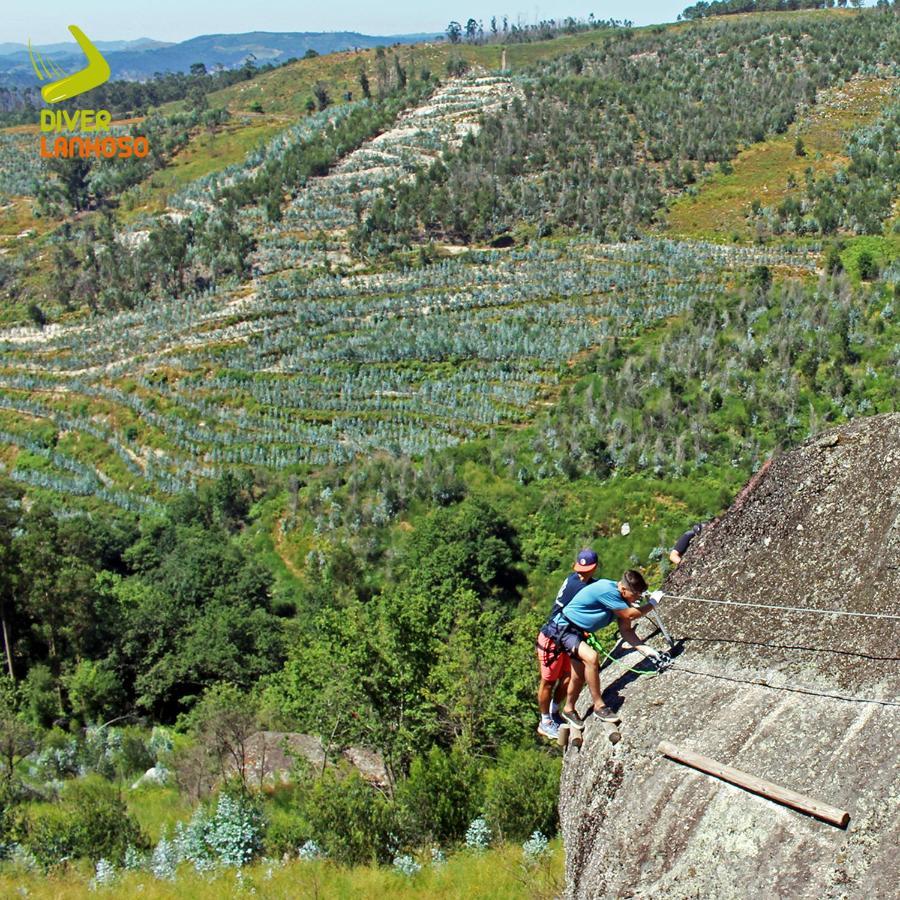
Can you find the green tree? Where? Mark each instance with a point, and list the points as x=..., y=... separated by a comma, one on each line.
x=17, y=738
x=364, y=83
x=867, y=266
x=57, y=588
x=320, y=92
x=833, y=262
x=94, y=690
x=73, y=174
x=9, y=524
x=441, y=795
x=521, y=793
x=196, y=612
x=166, y=253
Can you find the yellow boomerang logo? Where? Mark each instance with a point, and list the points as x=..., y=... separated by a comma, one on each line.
x=91, y=76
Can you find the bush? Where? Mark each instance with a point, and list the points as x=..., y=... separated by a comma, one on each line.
x=287, y=833
x=868, y=266
x=440, y=797
x=235, y=830
x=135, y=755
x=833, y=262
x=92, y=821
x=521, y=794
x=478, y=835
x=350, y=819
x=39, y=698
x=95, y=692
x=231, y=835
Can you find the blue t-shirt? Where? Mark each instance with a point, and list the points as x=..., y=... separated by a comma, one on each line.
x=570, y=587
x=592, y=607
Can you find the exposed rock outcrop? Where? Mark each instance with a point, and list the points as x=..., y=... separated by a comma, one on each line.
x=269, y=756
x=820, y=528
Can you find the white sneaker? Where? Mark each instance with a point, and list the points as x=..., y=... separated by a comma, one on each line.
x=549, y=730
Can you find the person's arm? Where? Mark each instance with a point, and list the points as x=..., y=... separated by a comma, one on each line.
x=632, y=613
x=627, y=632
x=675, y=557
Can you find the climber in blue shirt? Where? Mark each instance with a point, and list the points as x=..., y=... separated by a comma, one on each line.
x=594, y=607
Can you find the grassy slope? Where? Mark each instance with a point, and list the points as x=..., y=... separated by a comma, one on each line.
x=284, y=93
x=207, y=151
x=719, y=209
x=498, y=874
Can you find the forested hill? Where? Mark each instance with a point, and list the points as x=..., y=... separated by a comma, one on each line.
x=304, y=415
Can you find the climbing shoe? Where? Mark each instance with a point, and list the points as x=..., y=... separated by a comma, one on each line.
x=574, y=719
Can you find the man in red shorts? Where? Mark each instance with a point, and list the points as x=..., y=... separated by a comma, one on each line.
x=553, y=660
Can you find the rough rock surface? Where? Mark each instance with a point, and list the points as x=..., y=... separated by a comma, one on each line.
x=819, y=528
x=269, y=756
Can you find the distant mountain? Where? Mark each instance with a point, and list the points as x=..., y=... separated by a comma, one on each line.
x=137, y=60
x=70, y=49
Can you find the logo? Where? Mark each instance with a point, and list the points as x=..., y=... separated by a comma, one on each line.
x=79, y=121
x=95, y=73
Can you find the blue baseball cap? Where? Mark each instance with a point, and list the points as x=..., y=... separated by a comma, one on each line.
x=586, y=561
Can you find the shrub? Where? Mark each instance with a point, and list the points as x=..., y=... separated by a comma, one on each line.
x=39, y=698
x=310, y=850
x=440, y=796
x=51, y=836
x=833, y=262
x=232, y=835
x=92, y=821
x=535, y=847
x=235, y=831
x=868, y=266
x=350, y=819
x=478, y=835
x=406, y=865
x=521, y=794
x=135, y=754
x=94, y=690
x=164, y=861
x=286, y=832
x=104, y=874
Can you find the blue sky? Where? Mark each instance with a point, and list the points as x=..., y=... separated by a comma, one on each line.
x=45, y=21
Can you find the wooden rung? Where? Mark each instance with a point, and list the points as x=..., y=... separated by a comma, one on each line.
x=755, y=785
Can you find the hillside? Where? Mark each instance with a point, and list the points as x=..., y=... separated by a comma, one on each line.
x=779, y=695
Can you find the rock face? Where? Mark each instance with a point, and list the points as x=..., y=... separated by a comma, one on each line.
x=761, y=690
x=269, y=757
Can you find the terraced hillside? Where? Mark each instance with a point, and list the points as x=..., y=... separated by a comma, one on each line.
x=268, y=327
x=319, y=371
